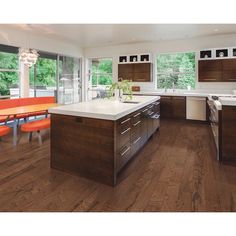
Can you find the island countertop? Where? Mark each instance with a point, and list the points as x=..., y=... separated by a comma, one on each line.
x=104, y=108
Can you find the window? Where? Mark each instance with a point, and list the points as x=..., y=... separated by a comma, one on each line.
x=9, y=71
x=100, y=72
x=43, y=76
x=176, y=69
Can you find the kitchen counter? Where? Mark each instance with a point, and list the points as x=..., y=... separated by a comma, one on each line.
x=227, y=101
x=176, y=93
x=104, y=108
x=97, y=139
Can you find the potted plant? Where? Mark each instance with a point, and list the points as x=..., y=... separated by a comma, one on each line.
x=121, y=90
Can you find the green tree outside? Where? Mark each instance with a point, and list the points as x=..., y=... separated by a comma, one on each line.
x=8, y=78
x=176, y=68
x=102, y=72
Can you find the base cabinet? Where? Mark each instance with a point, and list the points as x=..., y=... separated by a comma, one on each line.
x=173, y=107
x=133, y=131
x=98, y=149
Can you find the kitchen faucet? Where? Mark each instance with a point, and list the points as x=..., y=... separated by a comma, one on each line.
x=173, y=87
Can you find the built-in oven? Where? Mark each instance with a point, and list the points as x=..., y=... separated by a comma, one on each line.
x=214, y=122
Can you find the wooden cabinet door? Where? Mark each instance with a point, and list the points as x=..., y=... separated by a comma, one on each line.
x=166, y=107
x=126, y=71
x=228, y=133
x=142, y=67
x=142, y=77
x=137, y=72
x=144, y=119
x=209, y=70
x=229, y=70
x=179, y=107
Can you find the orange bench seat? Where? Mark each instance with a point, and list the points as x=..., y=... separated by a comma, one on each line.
x=4, y=130
x=36, y=125
x=11, y=103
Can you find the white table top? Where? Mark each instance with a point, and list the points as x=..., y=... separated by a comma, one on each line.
x=104, y=108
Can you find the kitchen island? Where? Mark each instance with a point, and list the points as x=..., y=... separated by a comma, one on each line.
x=96, y=139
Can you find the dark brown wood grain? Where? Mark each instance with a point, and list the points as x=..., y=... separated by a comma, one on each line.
x=228, y=132
x=95, y=148
x=229, y=70
x=221, y=70
x=136, y=72
x=173, y=107
x=209, y=70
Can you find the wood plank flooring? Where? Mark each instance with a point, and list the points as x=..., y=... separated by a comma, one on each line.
x=176, y=171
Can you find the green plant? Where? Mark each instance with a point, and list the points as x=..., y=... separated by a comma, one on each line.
x=124, y=86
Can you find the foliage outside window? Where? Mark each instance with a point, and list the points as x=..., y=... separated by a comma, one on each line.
x=101, y=72
x=9, y=72
x=177, y=69
x=45, y=73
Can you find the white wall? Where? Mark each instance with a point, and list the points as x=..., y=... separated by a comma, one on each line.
x=154, y=48
x=27, y=39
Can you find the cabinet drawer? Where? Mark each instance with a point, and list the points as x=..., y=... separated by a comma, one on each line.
x=123, y=125
x=123, y=156
x=136, y=118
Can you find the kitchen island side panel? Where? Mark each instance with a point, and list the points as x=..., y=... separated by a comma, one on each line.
x=83, y=146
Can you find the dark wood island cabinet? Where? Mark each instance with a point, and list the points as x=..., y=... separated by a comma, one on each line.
x=98, y=148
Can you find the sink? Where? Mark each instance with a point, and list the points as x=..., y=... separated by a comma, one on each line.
x=132, y=102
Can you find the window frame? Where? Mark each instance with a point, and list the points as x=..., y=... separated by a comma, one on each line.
x=12, y=50
x=178, y=52
x=90, y=74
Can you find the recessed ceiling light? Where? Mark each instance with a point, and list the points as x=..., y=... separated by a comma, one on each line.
x=216, y=30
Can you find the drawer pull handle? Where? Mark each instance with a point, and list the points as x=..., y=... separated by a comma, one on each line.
x=125, y=121
x=145, y=110
x=157, y=103
x=151, y=113
x=137, y=114
x=136, y=140
x=125, y=131
x=136, y=123
x=126, y=150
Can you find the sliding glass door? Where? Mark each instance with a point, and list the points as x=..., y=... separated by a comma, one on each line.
x=58, y=76
x=69, y=80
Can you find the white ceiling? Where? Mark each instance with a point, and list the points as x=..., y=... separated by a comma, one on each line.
x=89, y=35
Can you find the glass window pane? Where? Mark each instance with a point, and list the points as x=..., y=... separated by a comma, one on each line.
x=9, y=83
x=43, y=78
x=8, y=60
x=177, y=68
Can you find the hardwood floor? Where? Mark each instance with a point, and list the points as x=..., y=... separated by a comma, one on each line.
x=175, y=171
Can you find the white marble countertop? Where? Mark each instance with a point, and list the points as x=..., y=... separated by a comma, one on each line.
x=191, y=93
x=225, y=101
x=104, y=108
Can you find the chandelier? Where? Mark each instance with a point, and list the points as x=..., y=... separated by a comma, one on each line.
x=28, y=56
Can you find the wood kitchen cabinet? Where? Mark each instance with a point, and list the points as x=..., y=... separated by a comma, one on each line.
x=173, y=107
x=229, y=70
x=136, y=72
x=179, y=107
x=133, y=131
x=209, y=70
x=228, y=133
x=221, y=70
x=166, y=107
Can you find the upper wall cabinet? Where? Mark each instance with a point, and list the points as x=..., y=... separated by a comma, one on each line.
x=217, y=70
x=135, y=72
x=135, y=58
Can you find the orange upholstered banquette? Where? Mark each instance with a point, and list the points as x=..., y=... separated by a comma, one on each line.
x=10, y=103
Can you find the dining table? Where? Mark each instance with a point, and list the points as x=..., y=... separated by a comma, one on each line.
x=15, y=111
